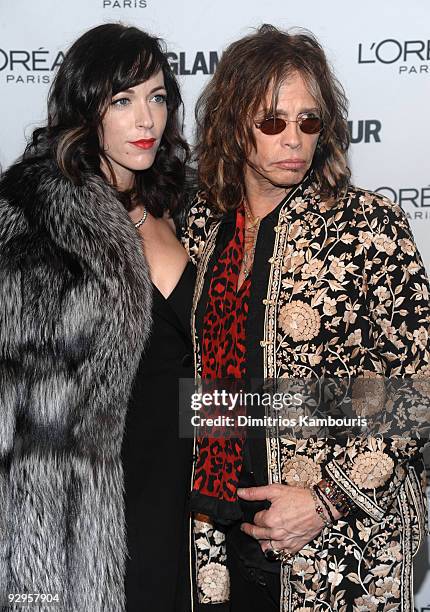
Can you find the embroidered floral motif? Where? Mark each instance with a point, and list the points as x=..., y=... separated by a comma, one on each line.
x=407, y=246
x=367, y=603
x=369, y=394
x=382, y=293
x=301, y=471
x=354, y=339
x=330, y=306
x=303, y=567
x=292, y=261
x=371, y=469
x=299, y=321
x=421, y=412
x=214, y=581
x=365, y=238
x=385, y=244
x=421, y=337
x=387, y=587
x=337, y=268
x=422, y=380
x=312, y=268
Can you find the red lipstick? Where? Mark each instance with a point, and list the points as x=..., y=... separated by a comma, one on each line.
x=144, y=143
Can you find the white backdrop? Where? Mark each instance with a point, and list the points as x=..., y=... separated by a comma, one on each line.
x=380, y=50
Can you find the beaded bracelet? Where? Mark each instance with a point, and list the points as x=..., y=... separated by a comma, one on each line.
x=339, y=500
x=334, y=495
x=319, y=510
x=324, y=503
x=348, y=501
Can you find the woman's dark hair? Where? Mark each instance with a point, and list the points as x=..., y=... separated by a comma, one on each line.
x=104, y=61
x=248, y=70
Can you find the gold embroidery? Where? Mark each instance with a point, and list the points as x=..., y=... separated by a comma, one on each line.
x=301, y=471
x=299, y=321
x=371, y=469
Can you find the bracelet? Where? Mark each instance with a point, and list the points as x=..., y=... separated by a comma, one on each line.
x=334, y=495
x=324, y=503
x=319, y=510
x=339, y=500
x=351, y=507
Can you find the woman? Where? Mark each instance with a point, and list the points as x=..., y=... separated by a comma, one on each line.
x=87, y=237
x=301, y=275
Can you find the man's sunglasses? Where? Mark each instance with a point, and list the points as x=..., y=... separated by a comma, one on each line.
x=308, y=124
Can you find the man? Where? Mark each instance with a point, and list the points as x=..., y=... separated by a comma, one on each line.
x=300, y=275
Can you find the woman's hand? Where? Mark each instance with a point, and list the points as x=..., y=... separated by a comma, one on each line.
x=290, y=522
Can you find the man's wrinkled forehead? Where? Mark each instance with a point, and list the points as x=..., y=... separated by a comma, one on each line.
x=270, y=100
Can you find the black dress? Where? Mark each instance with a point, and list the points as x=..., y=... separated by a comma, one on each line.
x=157, y=464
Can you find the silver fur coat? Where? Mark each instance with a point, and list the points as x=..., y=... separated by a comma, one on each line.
x=75, y=300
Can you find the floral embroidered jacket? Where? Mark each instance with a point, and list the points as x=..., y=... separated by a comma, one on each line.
x=339, y=289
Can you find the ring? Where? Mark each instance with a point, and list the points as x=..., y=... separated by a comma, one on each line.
x=273, y=554
x=287, y=557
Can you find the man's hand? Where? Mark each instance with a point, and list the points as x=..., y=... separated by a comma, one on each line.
x=290, y=522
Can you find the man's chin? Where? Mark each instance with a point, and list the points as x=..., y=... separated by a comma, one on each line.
x=281, y=179
x=293, y=178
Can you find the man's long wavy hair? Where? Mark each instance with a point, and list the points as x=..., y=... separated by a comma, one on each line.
x=104, y=61
x=248, y=70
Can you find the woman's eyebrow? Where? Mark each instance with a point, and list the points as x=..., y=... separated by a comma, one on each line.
x=131, y=91
x=157, y=88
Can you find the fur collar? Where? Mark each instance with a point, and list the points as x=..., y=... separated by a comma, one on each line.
x=36, y=199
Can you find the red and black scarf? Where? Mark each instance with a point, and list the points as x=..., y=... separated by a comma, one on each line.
x=219, y=460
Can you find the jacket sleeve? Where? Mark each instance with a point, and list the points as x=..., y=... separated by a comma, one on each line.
x=370, y=469
x=212, y=576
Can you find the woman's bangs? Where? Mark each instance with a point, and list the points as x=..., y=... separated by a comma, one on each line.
x=135, y=70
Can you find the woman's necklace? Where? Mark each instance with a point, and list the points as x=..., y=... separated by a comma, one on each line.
x=250, y=240
x=142, y=220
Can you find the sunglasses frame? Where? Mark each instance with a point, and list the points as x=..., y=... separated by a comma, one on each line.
x=300, y=119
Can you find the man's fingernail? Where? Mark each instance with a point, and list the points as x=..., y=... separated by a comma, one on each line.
x=240, y=491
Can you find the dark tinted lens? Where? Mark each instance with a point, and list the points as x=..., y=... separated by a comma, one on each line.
x=272, y=125
x=311, y=125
